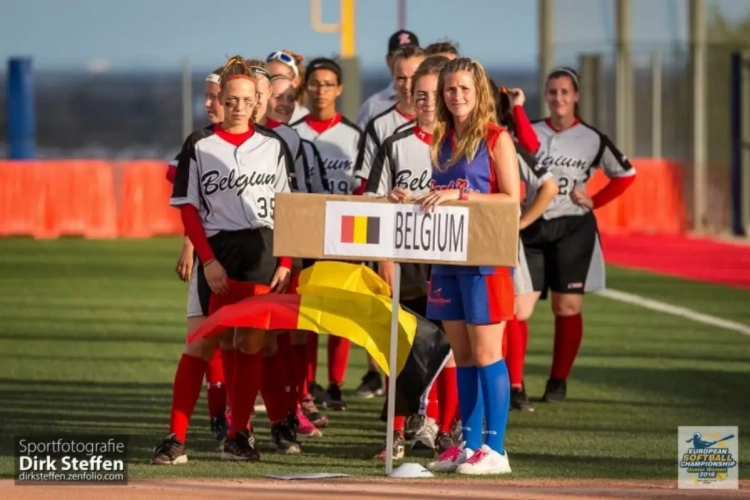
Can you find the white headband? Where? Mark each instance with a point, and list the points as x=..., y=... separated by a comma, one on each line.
x=567, y=71
x=213, y=78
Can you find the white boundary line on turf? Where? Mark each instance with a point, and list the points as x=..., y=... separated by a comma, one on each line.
x=681, y=312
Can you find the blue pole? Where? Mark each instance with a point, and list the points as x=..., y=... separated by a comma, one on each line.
x=737, y=137
x=21, y=114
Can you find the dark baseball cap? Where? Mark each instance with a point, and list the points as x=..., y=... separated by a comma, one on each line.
x=401, y=38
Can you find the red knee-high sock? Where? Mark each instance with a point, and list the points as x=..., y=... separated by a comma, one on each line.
x=287, y=371
x=228, y=363
x=525, y=335
x=217, y=391
x=338, y=358
x=568, y=335
x=272, y=388
x=399, y=421
x=188, y=382
x=248, y=376
x=300, y=370
x=433, y=401
x=516, y=351
x=312, y=359
x=448, y=396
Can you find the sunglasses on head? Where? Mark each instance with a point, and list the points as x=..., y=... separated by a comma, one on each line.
x=285, y=58
x=256, y=70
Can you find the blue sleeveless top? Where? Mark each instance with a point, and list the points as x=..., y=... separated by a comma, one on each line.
x=477, y=176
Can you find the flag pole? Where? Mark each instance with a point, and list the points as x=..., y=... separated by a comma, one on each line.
x=392, y=360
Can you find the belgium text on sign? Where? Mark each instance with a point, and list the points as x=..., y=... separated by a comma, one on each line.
x=71, y=459
x=439, y=235
x=389, y=231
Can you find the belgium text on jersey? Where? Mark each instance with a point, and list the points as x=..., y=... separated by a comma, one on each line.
x=213, y=181
x=406, y=179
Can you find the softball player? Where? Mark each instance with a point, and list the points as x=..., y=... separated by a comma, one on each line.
x=472, y=152
x=289, y=64
x=187, y=266
x=338, y=141
x=510, y=114
x=562, y=247
x=225, y=187
x=400, y=170
x=380, y=101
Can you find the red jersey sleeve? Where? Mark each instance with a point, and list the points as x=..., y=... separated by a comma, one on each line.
x=525, y=133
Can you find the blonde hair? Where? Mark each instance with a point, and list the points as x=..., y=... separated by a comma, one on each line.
x=236, y=67
x=482, y=115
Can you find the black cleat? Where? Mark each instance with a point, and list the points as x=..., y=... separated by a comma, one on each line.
x=414, y=424
x=240, y=448
x=335, y=399
x=443, y=442
x=371, y=386
x=284, y=438
x=519, y=400
x=320, y=396
x=170, y=451
x=219, y=427
x=556, y=391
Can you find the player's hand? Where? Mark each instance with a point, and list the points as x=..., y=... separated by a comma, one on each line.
x=517, y=97
x=434, y=198
x=281, y=279
x=184, y=266
x=580, y=197
x=399, y=195
x=385, y=271
x=216, y=277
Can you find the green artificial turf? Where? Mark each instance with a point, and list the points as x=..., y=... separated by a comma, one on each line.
x=90, y=335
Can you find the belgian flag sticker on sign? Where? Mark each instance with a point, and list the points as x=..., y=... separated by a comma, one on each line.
x=360, y=229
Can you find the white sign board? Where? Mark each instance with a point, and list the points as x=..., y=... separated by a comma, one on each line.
x=395, y=231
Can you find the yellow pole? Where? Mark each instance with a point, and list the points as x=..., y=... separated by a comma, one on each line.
x=348, y=28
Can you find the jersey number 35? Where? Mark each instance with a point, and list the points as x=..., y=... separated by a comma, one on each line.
x=266, y=207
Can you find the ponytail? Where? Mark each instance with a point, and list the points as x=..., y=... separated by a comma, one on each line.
x=503, y=106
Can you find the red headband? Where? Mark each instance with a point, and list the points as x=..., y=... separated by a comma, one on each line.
x=232, y=77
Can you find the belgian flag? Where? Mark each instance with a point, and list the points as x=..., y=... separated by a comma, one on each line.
x=350, y=301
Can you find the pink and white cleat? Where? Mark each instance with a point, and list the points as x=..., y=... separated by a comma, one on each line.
x=485, y=461
x=306, y=428
x=449, y=460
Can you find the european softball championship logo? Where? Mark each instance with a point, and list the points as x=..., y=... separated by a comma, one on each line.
x=708, y=457
x=360, y=229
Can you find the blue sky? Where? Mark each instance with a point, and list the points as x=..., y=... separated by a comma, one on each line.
x=148, y=34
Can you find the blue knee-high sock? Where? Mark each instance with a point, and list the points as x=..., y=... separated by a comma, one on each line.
x=495, y=385
x=470, y=404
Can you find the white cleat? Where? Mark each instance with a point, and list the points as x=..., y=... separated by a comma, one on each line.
x=451, y=459
x=485, y=461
